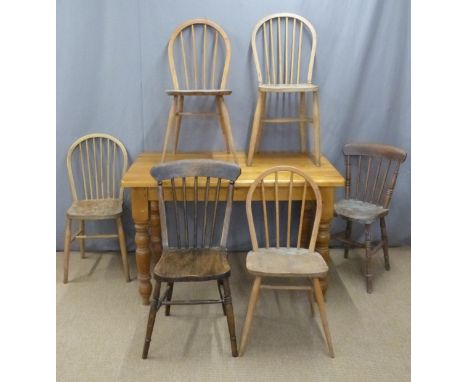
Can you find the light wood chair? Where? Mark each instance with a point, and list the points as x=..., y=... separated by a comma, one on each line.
x=285, y=259
x=196, y=249
x=196, y=73
x=95, y=164
x=367, y=196
x=283, y=46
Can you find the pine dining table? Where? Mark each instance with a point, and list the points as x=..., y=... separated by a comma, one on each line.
x=145, y=210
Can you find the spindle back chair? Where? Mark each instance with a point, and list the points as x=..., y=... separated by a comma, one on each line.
x=199, y=190
x=95, y=165
x=285, y=258
x=283, y=178
x=284, y=37
x=284, y=46
x=371, y=175
x=199, y=54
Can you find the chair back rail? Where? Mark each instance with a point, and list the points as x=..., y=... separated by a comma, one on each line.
x=194, y=50
x=193, y=185
x=371, y=172
x=281, y=43
x=95, y=165
x=306, y=189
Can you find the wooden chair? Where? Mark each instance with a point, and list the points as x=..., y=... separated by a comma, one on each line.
x=279, y=51
x=193, y=252
x=367, y=196
x=95, y=164
x=197, y=73
x=285, y=259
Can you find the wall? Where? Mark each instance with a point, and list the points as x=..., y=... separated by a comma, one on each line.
x=112, y=71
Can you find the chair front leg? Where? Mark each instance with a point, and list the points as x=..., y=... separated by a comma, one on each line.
x=302, y=123
x=230, y=316
x=123, y=248
x=368, y=244
x=220, y=283
x=178, y=121
x=349, y=225
x=155, y=304
x=169, y=127
x=226, y=122
x=250, y=311
x=254, y=135
x=383, y=230
x=316, y=127
x=82, y=241
x=169, y=298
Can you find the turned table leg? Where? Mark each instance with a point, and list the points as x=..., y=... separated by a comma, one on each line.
x=140, y=213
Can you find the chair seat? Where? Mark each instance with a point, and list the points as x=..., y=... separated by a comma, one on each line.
x=95, y=209
x=288, y=88
x=286, y=262
x=360, y=211
x=199, y=92
x=189, y=264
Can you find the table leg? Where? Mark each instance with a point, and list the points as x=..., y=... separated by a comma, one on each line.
x=140, y=214
x=155, y=227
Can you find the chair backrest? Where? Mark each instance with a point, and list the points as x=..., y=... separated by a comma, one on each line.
x=287, y=182
x=372, y=171
x=95, y=165
x=197, y=200
x=194, y=50
x=281, y=43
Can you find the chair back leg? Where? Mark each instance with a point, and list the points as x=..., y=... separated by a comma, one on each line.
x=151, y=319
x=82, y=241
x=66, y=250
x=323, y=315
x=123, y=248
x=383, y=229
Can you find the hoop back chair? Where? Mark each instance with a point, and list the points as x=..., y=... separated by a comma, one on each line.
x=194, y=50
x=196, y=249
x=368, y=194
x=282, y=257
x=95, y=164
x=284, y=46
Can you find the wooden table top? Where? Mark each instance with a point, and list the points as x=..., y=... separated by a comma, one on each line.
x=138, y=175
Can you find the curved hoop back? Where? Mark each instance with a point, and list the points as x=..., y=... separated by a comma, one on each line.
x=282, y=49
x=95, y=165
x=198, y=51
x=376, y=167
x=296, y=185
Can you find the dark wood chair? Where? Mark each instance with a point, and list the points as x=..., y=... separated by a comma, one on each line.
x=285, y=258
x=194, y=252
x=367, y=196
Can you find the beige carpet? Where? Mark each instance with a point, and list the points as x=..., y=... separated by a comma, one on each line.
x=101, y=326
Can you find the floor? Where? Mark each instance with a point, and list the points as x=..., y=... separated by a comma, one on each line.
x=101, y=327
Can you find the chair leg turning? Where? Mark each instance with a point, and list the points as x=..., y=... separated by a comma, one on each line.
x=169, y=127
x=323, y=315
x=82, y=241
x=169, y=298
x=220, y=283
x=178, y=121
x=123, y=247
x=66, y=250
x=349, y=225
x=255, y=127
x=383, y=230
x=152, y=317
x=368, y=245
x=230, y=317
x=250, y=311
